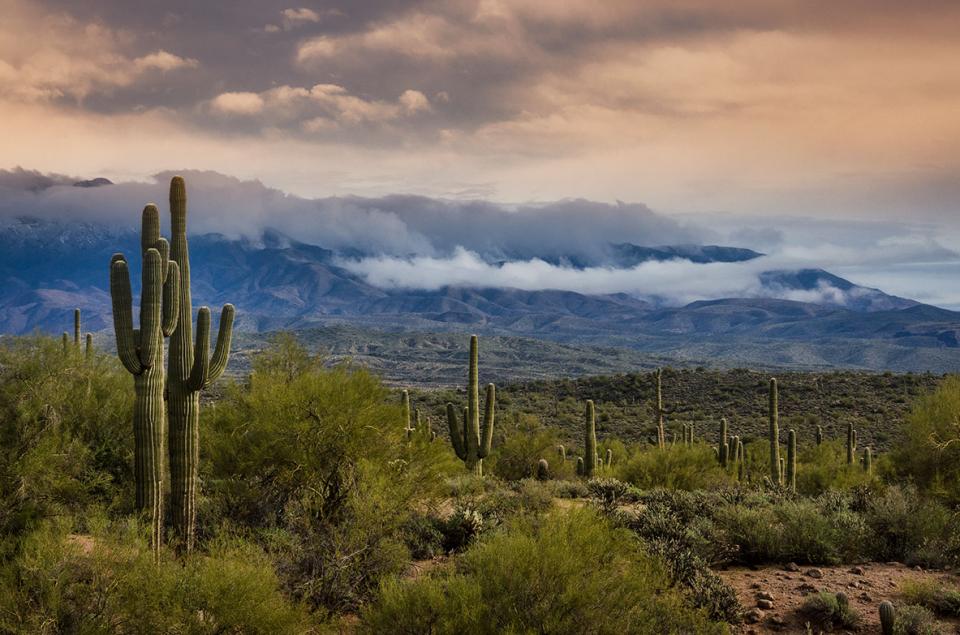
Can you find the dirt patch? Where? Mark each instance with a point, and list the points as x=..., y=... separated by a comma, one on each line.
x=867, y=585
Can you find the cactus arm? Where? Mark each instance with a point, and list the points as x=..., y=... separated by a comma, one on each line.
x=123, y=315
x=149, y=227
x=171, y=299
x=221, y=352
x=456, y=433
x=163, y=246
x=200, y=372
x=488, y=417
x=150, y=308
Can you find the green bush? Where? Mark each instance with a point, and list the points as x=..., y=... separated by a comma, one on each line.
x=676, y=467
x=522, y=442
x=916, y=620
x=320, y=456
x=929, y=450
x=907, y=527
x=108, y=581
x=932, y=595
x=566, y=572
x=66, y=441
x=829, y=611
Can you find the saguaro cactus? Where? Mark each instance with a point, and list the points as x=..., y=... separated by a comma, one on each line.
x=469, y=445
x=589, y=439
x=609, y=457
x=792, y=461
x=76, y=329
x=562, y=451
x=190, y=370
x=661, y=433
x=543, y=470
x=867, y=460
x=774, y=414
x=88, y=353
x=851, y=443
x=405, y=412
x=723, y=446
x=580, y=468
x=819, y=435
x=888, y=618
x=141, y=353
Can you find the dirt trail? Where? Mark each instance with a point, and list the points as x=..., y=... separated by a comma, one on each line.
x=867, y=585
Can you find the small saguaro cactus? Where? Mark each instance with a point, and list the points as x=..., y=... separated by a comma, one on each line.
x=76, y=328
x=723, y=446
x=868, y=460
x=741, y=462
x=599, y=465
x=851, y=443
x=543, y=470
x=580, y=466
x=589, y=439
x=774, y=433
x=66, y=343
x=661, y=433
x=819, y=435
x=888, y=618
x=562, y=451
x=88, y=353
x=690, y=433
x=469, y=445
x=141, y=353
x=792, y=461
x=783, y=470
x=190, y=370
x=609, y=457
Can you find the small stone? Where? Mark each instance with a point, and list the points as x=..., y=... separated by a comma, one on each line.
x=814, y=573
x=866, y=597
x=792, y=567
x=753, y=616
x=765, y=595
x=755, y=585
x=857, y=570
x=776, y=621
x=918, y=568
x=765, y=604
x=806, y=587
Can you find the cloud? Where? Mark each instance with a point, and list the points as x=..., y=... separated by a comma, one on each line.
x=237, y=103
x=673, y=282
x=163, y=61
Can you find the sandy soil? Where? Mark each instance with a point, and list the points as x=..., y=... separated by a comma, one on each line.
x=867, y=585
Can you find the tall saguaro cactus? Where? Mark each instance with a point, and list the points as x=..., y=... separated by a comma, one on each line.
x=723, y=445
x=661, y=434
x=141, y=353
x=190, y=370
x=589, y=440
x=469, y=444
x=76, y=329
x=774, y=414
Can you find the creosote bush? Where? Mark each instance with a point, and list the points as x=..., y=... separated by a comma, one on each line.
x=600, y=580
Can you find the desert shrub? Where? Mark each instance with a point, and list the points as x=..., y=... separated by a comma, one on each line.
x=568, y=489
x=565, y=572
x=423, y=536
x=932, y=595
x=524, y=442
x=108, y=582
x=677, y=467
x=830, y=610
x=908, y=527
x=929, y=449
x=319, y=454
x=611, y=492
x=66, y=440
x=916, y=620
x=824, y=467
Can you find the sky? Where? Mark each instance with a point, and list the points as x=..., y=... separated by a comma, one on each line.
x=819, y=131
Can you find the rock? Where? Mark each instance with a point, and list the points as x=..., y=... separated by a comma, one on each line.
x=806, y=587
x=918, y=568
x=866, y=597
x=776, y=621
x=814, y=573
x=755, y=585
x=753, y=616
x=857, y=570
x=765, y=595
x=792, y=567
x=765, y=604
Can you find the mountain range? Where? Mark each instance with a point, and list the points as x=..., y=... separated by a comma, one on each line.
x=49, y=267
